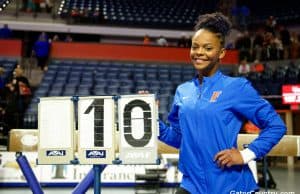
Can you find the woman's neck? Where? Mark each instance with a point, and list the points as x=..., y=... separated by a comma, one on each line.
x=204, y=73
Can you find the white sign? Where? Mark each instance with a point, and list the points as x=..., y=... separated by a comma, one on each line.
x=138, y=129
x=96, y=126
x=56, y=128
x=291, y=94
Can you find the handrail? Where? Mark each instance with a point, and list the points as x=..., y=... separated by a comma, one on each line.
x=288, y=146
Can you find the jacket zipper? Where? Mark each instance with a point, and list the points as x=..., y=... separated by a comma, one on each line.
x=200, y=90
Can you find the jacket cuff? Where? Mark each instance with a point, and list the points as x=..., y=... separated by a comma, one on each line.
x=247, y=155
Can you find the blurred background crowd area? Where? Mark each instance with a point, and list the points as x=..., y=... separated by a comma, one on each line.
x=269, y=31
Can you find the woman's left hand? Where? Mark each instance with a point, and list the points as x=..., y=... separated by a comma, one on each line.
x=228, y=158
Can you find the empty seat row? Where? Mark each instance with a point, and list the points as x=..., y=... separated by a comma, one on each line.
x=79, y=8
x=150, y=13
x=68, y=78
x=65, y=78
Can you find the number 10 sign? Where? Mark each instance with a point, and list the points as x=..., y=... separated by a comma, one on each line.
x=97, y=139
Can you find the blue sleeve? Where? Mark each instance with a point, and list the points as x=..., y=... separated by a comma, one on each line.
x=171, y=134
x=262, y=114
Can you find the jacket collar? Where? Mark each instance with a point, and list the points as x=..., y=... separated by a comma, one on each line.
x=217, y=75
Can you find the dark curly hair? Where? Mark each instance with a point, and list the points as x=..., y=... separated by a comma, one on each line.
x=216, y=23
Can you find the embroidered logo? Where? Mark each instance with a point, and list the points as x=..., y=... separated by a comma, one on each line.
x=215, y=96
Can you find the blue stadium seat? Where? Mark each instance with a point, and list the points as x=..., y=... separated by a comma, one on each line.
x=41, y=92
x=125, y=90
x=154, y=89
x=175, y=76
x=153, y=83
x=166, y=90
x=87, y=80
x=124, y=75
x=163, y=76
x=127, y=83
x=112, y=75
x=112, y=90
x=141, y=83
x=187, y=77
x=55, y=92
x=100, y=74
x=151, y=75
x=45, y=84
x=101, y=82
x=69, y=91
x=83, y=92
x=73, y=81
x=138, y=76
x=61, y=79
x=83, y=86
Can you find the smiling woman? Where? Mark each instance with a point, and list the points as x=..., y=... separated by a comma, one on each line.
x=207, y=114
x=206, y=52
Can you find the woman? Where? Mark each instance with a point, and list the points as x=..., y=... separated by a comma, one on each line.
x=206, y=117
x=18, y=96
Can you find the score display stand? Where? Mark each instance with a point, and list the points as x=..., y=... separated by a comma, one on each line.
x=28, y=174
x=96, y=141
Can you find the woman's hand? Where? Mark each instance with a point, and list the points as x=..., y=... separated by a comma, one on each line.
x=229, y=157
x=143, y=92
x=147, y=92
x=10, y=86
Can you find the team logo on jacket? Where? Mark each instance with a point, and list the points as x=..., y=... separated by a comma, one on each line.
x=215, y=96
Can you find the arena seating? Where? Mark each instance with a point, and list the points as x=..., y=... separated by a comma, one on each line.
x=143, y=13
x=84, y=8
x=270, y=81
x=86, y=78
x=284, y=13
x=168, y=13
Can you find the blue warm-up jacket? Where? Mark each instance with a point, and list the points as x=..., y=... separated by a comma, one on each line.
x=206, y=119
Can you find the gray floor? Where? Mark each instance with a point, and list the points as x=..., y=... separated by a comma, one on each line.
x=285, y=174
x=287, y=180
